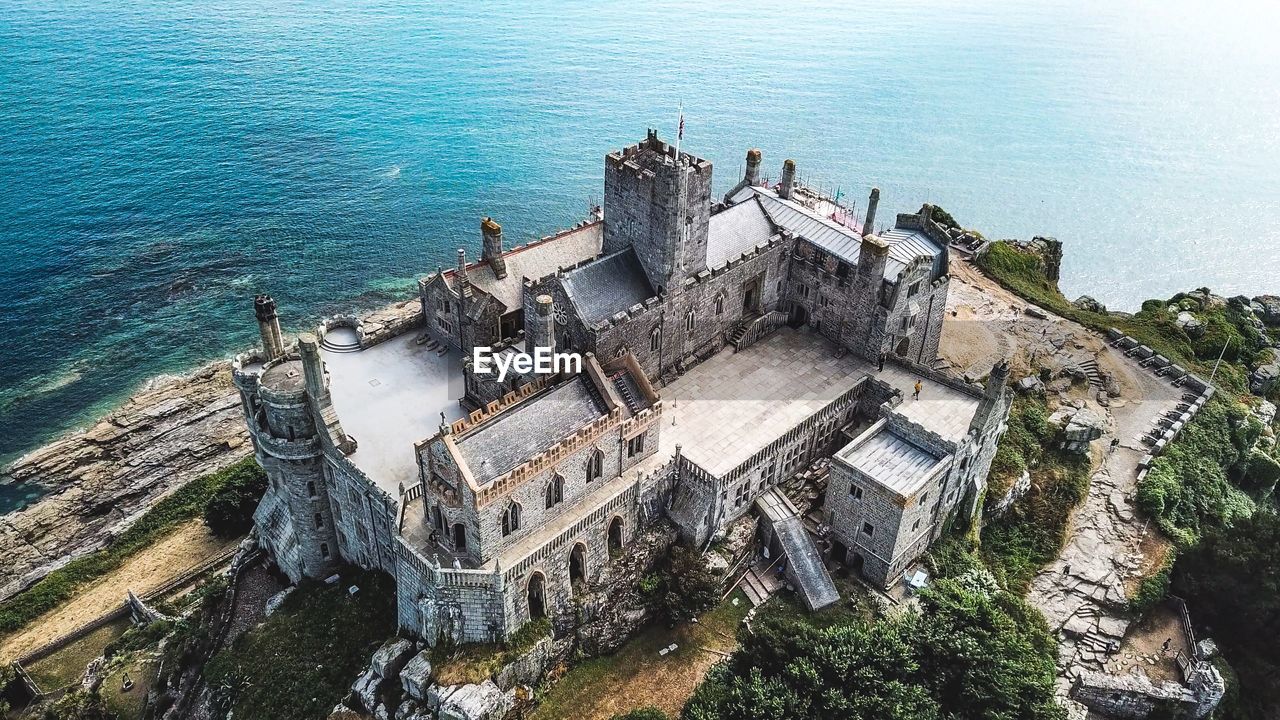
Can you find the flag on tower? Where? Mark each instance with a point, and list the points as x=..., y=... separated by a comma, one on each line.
x=680, y=131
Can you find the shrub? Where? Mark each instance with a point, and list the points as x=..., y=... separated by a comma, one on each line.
x=1154, y=588
x=644, y=713
x=684, y=586
x=229, y=510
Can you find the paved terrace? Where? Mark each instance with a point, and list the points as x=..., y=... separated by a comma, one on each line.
x=729, y=407
x=389, y=397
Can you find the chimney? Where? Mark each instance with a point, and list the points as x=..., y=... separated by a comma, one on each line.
x=464, y=284
x=752, y=176
x=541, y=331
x=868, y=227
x=268, y=326
x=788, y=184
x=312, y=367
x=492, y=251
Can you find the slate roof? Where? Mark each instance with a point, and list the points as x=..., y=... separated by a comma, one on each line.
x=843, y=242
x=607, y=286
x=737, y=229
x=891, y=460
x=531, y=427
x=534, y=261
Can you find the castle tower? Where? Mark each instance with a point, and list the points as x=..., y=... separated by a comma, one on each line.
x=787, y=185
x=660, y=205
x=492, y=250
x=868, y=226
x=867, y=338
x=991, y=405
x=268, y=326
x=541, y=328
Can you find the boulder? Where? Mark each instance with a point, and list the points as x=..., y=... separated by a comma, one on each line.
x=1262, y=380
x=1268, y=308
x=1190, y=324
x=474, y=702
x=367, y=689
x=415, y=677
x=391, y=657
x=1265, y=412
x=342, y=712
x=1030, y=386
x=275, y=601
x=1088, y=304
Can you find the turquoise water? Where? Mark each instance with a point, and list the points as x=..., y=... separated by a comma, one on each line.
x=163, y=161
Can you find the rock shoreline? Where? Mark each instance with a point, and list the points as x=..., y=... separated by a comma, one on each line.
x=100, y=479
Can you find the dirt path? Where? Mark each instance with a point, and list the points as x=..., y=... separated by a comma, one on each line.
x=189, y=545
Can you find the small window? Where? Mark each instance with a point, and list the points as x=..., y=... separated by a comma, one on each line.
x=913, y=289
x=855, y=492
x=908, y=322
x=868, y=529
x=635, y=445
x=595, y=466
x=688, y=321
x=324, y=550
x=915, y=526
x=353, y=494
x=923, y=499
x=311, y=489
x=319, y=519
x=655, y=338
x=511, y=519
x=719, y=304
x=555, y=491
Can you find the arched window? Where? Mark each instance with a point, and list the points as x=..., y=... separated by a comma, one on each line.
x=688, y=321
x=719, y=304
x=555, y=491
x=595, y=466
x=511, y=519
x=655, y=338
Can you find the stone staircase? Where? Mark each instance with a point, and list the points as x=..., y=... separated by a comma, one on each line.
x=734, y=336
x=341, y=340
x=1090, y=368
x=759, y=582
x=624, y=391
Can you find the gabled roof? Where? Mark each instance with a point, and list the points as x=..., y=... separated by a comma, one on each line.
x=533, y=261
x=607, y=286
x=737, y=229
x=905, y=246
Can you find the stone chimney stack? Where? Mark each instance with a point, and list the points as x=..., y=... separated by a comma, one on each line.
x=541, y=331
x=788, y=184
x=312, y=367
x=752, y=176
x=464, y=284
x=492, y=251
x=868, y=226
x=269, y=326
x=867, y=336
x=997, y=380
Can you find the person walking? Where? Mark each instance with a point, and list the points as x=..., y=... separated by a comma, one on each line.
x=916, y=395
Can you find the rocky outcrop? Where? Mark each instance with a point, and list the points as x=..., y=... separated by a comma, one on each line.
x=1089, y=304
x=99, y=480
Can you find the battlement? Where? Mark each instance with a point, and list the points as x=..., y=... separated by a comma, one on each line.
x=651, y=154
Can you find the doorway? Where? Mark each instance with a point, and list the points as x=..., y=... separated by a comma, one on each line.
x=578, y=567
x=537, y=596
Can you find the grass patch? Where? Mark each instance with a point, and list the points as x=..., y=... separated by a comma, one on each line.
x=475, y=663
x=855, y=605
x=66, y=665
x=637, y=676
x=301, y=661
x=60, y=585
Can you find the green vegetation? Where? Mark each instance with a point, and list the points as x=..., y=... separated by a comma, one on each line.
x=1232, y=581
x=78, y=705
x=1188, y=488
x=1029, y=535
x=644, y=713
x=301, y=660
x=1154, y=588
x=1023, y=273
x=183, y=504
x=229, y=510
x=682, y=587
x=972, y=651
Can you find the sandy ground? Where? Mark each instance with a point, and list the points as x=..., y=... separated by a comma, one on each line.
x=189, y=545
x=1143, y=646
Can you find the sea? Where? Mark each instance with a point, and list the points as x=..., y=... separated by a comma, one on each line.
x=163, y=161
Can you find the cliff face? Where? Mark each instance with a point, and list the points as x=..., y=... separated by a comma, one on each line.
x=172, y=431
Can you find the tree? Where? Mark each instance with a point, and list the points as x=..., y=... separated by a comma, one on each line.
x=229, y=510
x=969, y=653
x=683, y=586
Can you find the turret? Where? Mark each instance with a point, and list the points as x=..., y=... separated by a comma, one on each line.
x=867, y=336
x=492, y=250
x=268, y=326
x=313, y=368
x=991, y=407
x=868, y=226
x=788, y=184
x=541, y=328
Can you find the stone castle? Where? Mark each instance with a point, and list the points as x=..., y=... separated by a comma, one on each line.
x=728, y=343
